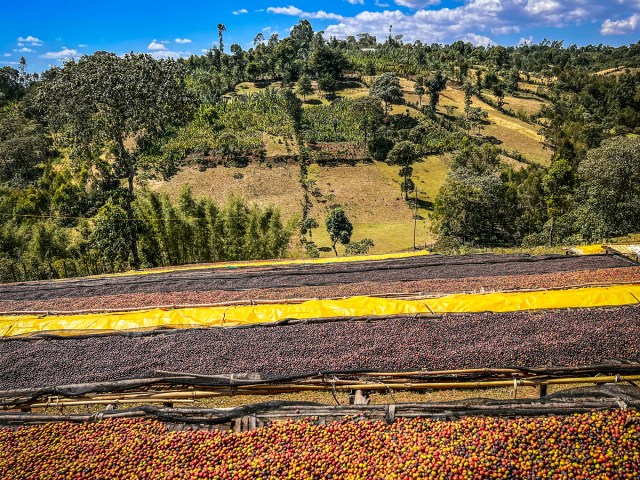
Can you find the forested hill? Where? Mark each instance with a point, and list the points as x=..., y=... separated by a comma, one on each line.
x=305, y=146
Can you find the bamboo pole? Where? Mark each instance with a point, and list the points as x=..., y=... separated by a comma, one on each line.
x=79, y=403
x=192, y=395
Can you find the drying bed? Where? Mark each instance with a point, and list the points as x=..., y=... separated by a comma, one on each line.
x=399, y=270
x=592, y=445
x=602, y=276
x=518, y=339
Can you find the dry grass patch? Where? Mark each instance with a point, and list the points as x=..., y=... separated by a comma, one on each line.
x=371, y=196
x=533, y=87
x=258, y=184
x=279, y=146
x=530, y=106
x=514, y=134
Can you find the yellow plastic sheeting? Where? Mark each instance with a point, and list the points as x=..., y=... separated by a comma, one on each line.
x=589, y=249
x=274, y=263
x=587, y=297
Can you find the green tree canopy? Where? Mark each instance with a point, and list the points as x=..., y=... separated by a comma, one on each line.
x=404, y=154
x=24, y=147
x=304, y=86
x=339, y=228
x=115, y=106
x=367, y=114
x=610, y=184
x=435, y=85
x=387, y=88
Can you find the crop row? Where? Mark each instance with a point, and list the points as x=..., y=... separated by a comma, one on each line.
x=418, y=268
x=526, y=339
x=199, y=297
x=595, y=445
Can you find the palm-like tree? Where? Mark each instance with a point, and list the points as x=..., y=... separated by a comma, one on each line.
x=221, y=30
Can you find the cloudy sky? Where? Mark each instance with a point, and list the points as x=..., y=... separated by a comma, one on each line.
x=47, y=32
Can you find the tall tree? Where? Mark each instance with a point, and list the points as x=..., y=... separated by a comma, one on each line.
x=24, y=146
x=420, y=91
x=11, y=87
x=367, y=115
x=387, y=88
x=610, y=181
x=304, y=87
x=404, y=154
x=339, y=228
x=468, y=90
x=221, y=29
x=435, y=85
x=106, y=105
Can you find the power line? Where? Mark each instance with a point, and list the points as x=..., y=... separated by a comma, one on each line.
x=67, y=217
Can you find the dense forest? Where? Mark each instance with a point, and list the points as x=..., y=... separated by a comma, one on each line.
x=80, y=144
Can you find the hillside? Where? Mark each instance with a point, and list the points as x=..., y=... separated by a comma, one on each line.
x=368, y=190
x=454, y=147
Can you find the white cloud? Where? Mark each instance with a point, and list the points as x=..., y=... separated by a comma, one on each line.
x=479, y=17
x=155, y=45
x=290, y=10
x=63, y=54
x=505, y=30
x=6, y=55
x=183, y=40
x=23, y=50
x=417, y=3
x=620, y=27
x=296, y=12
x=356, y=2
x=164, y=54
x=478, y=40
x=242, y=11
x=382, y=4
x=31, y=40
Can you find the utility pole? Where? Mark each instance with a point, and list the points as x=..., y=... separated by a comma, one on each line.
x=415, y=216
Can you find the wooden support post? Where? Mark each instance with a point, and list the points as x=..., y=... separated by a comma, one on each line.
x=542, y=391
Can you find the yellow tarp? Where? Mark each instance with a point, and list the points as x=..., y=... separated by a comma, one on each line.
x=589, y=249
x=352, y=307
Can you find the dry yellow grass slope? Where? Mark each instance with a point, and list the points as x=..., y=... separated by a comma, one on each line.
x=371, y=196
x=512, y=133
x=259, y=184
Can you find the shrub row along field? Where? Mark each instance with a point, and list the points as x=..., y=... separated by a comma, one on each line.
x=524, y=339
x=592, y=445
x=410, y=269
x=436, y=286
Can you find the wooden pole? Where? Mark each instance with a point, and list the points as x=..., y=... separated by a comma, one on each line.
x=415, y=216
x=263, y=389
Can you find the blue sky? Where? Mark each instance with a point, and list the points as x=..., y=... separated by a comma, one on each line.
x=47, y=32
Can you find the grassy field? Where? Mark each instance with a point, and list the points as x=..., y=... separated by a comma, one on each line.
x=530, y=106
x=373, y=201
x=259, y=184
x=279, y=146
x=511, y=133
